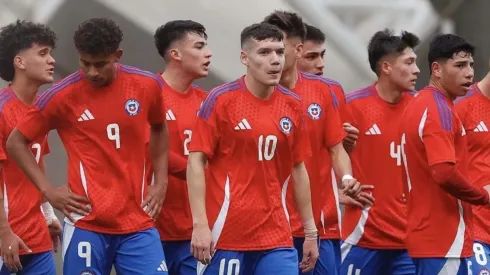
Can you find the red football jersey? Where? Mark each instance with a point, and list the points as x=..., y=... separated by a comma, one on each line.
x=474, y=111
x=175, y=222
x=22, y=201
x=377, y=160
x=324, y=127
x=439, y=225
x=252, y=145
x=104, y=132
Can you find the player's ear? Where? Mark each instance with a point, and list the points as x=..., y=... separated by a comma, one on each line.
x=385, y=67
x=244, y=58
x=299, y=50
x=175, y=54
x=119, y=53
x=19, y=62
x=436, y=69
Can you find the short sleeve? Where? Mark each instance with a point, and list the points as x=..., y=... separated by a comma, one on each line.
x=205, y=132
x=44, y=116
x=3, y=138
x=438, y=134
x=301, y=148
x=156, y=112
x=333, y=131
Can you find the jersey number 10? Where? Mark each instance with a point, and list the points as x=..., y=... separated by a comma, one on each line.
x=267, y=148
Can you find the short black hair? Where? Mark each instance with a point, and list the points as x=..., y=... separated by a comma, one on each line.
x=98, y=36
x=314, y=34
x=20, y=36
x=288, y=22
x=260, y=32
x=443, y=47
x=175, y=30
x=385, y=43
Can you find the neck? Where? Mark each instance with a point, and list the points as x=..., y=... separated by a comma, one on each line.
x=289, y=78
x=25, y=89
x=484, y=85
x=177, y=79
x=258, y=89
x=436, y=84
x=388, y=91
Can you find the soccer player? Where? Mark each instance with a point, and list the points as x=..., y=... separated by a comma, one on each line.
x=312, y=61
x=101, y=114
x=374, y=236
x=251, y=133
x=25, y=62
x=433, y=144
x=473, y=112
x=183, y=46
x=325, y=131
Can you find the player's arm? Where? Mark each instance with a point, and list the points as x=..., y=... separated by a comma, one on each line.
x=202, y=146
x=37, y=122
x=350, y=127
x=159, y=150
x=438, y=140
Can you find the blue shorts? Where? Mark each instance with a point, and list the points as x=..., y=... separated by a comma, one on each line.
x=443, y=266
x=328, y=262
x=180, y=261
x=34, y=264
x=480, y=262
x=282, y=261
x=358, y=260
x=90, y=253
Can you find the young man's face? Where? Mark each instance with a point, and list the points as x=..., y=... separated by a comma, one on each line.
x=194, y=54
x=99, y=70
x=37, y=63
x=264, y=60
x=404, y=70
x=311, y=60
x=455, y=74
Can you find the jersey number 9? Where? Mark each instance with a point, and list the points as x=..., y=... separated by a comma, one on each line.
x=113, y=134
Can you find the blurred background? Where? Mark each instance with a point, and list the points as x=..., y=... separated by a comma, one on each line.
x=348, y=25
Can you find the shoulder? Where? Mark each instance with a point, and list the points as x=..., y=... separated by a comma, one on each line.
x=6, y=100
x=322, y=80
x=59, y=88
x=289, y=94
x=438, y=108
x=358, y=95
x=144, y=76
x=199, y=91
x=329, y=86
x=217, y=96
x=466, y=98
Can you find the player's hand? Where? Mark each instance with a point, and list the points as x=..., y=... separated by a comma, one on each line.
x=352, y=136
x=202, y=246
x=67, y=202
x=154, y=200
x=310, y=255
x=364, y=199
x=11, y=244
x=351, y=187
x=55, y=232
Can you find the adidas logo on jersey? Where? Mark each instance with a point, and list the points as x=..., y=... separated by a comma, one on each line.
x=243, y=125
x=170, y=115
x=481, y=127
x=87, y=115
x=162, y=267
x=374, y=130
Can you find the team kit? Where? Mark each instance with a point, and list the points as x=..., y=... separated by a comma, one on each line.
x=249, y=177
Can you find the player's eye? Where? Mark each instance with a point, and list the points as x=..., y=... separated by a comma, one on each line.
x=280, y=52
x=265, y=52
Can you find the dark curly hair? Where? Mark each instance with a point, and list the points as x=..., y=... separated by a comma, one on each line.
x=98, y=36
x=20, y=36
x=176, y=30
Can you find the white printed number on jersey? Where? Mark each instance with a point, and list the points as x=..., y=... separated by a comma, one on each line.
x=233, y=267
x=396, y=153
x=188, y=137
x=85, y=252
x=480, y=256
x=267, y=147
x=113, y=134
x=37, y=154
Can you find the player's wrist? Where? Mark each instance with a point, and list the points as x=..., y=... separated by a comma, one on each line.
x=48, y=212
x=309, y=227
x=347, y=177
x=200, y=224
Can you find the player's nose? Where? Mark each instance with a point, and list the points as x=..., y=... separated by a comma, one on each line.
x=51, y=60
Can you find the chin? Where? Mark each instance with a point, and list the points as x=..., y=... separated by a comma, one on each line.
x=272, y=82
x=47, y=80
